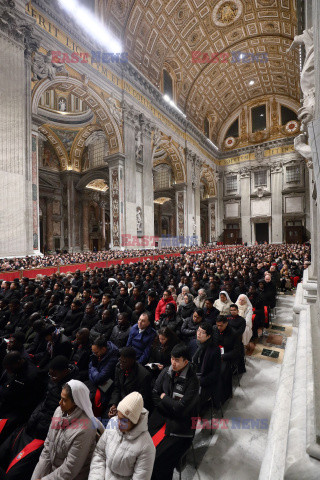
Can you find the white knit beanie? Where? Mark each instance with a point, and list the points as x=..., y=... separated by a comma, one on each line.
x=131, y=406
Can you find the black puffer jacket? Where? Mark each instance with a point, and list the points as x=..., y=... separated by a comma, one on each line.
x=179, y=404
x=39, y=422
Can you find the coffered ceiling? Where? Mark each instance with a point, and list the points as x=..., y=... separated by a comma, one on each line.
x=159, y=33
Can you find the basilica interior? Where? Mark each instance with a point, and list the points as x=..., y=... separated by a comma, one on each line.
x=197, y=124
x=190, y=122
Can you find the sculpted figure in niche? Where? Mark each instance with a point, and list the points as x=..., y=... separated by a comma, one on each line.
x=139, y=219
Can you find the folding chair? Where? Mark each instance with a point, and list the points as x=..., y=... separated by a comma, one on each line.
x=183, y=461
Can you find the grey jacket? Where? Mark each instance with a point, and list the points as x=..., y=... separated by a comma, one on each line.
x=125, y=456
x=68, y=448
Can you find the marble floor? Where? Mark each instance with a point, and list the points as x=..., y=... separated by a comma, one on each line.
x=235, y=452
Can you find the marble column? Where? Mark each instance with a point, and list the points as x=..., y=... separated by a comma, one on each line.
x=73, y=211
x=35, y=191
x=147, y=178
x=245, y=188
x=16, y=210
x=180, y=194
x=130, y=123
x=193, y=229
x=220, y=208
x=85, y=224
x=212, y=219
x=276, y=203
x=197, y=212
x=116, y=184
x=103, y=224
x=49, y=225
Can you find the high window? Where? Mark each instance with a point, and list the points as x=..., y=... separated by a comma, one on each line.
x=231, y=183
x=260, y=178
x=233, y=130
x=293, y=174
x=287, y=114
x=259, y=118
x=167, y=84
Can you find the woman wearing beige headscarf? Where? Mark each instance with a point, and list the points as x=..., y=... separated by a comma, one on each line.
x=245, y=311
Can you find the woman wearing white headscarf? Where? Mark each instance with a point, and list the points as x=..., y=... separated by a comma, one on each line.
x=245, y=311
x=71, y=439
x=223, y=303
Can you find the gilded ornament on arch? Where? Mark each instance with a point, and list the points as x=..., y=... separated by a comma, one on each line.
x=291, y=127
x=226, y=12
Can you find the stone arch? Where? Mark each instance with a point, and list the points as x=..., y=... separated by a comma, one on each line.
x=208, y=177
x=79, y=144
x=93, y=175
x=94, y=101
x=57, y=145
x=166, y=152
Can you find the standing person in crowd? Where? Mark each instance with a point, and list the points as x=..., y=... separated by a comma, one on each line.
x=245, y=311
x=229, y=342
x=176, y=397
x=126, y=452
x=207, y=361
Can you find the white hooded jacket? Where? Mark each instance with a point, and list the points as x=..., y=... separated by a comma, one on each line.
x=125, y=456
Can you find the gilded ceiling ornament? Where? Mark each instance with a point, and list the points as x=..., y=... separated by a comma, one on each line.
x=226, y=12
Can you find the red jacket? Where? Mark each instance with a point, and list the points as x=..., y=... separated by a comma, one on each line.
x=161, y=307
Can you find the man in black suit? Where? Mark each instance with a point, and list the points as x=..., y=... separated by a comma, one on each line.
x=175, y=397
x=230, y=345
x=207, y=361
x=239, y=325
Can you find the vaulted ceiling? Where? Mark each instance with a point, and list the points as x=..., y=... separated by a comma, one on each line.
x=159, y=33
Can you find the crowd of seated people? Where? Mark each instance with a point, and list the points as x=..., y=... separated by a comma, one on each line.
x=67, y=258
x=173, y=330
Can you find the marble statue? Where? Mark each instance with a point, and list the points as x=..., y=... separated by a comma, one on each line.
x=138, y=144
x=115, y=111
x=43, y=67
x=139, y=220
